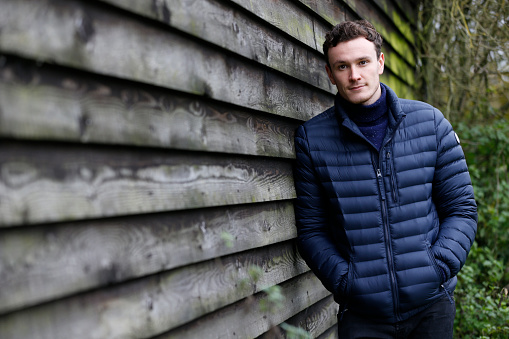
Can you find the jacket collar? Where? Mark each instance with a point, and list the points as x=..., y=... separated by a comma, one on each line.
x=396, y=114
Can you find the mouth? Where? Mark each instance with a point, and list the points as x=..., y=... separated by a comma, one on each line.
x=356, y=88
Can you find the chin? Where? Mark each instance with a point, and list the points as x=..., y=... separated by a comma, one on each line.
x=357, y=100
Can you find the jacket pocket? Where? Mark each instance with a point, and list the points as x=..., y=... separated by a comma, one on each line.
x=348, y=283
x=438, y=271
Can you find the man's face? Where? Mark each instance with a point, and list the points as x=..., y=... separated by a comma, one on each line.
x=355, y=70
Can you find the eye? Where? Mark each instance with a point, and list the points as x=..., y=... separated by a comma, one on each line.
x=363, y=62
x=341, y=67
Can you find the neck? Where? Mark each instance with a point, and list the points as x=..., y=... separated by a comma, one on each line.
x=365, y=114
x=372, y=119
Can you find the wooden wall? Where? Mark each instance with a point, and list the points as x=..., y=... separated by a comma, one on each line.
x=146, y=162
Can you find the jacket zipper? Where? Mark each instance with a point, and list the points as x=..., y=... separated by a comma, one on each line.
x=388, y=244
x=387, y=238
x=385, y=218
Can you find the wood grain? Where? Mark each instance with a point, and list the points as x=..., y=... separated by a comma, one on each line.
x=54, y=103
x=331, y=333
x=80, y=35
x=331, y=11
x=47, y=262
x=219, y=23
x=318, y=318
x=289, y=18
x=245, y=319
x=60, y=182
x=315, y=320
x=158, y=303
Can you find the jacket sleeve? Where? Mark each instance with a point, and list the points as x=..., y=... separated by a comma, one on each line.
x=314, y=239
x=454, y=198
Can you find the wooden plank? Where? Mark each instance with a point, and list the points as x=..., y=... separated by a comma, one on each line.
x=226, y=26
x=289, y=18
x=404, y=22
x=331, y=333
x=410, y=10
x=402, y=89
x=400, y=44
x=397, y=66
x=80, y=35
x=62, y=182
x=47, y=262
x=51, y=103
x=158, y=303
x=318, y=318
x=315, y=320
x=245, y=319
x=331, y=11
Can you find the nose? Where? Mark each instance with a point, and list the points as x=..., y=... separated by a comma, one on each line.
x=354, y=74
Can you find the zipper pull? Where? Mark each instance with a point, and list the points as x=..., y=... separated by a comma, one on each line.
x=451, y=300
x=378, y=173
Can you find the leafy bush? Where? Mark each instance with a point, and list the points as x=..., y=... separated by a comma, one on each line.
x=487, y=152
x=481, y=296
x=482, y=309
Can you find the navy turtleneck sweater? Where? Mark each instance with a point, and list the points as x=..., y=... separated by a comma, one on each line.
x=371, y=119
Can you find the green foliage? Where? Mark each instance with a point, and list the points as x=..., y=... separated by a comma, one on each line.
x=254, y=273
x=227, y=239
x=274, y=301
x=486, y=149
x=482, y=306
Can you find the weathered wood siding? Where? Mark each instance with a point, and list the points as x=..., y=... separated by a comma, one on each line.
x=146, y=162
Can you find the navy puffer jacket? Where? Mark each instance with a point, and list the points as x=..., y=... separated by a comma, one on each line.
x=385, y=231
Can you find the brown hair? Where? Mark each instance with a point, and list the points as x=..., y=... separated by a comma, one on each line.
x=349, y=30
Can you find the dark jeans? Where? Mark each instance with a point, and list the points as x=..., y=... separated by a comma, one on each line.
x=434, y=322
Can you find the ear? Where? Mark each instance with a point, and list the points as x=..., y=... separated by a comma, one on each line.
x=329, y=73
x=381, y=63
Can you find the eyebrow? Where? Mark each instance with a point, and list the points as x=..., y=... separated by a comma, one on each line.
x=366, y=57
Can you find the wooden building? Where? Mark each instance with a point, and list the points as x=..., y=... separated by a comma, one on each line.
x=146, y=162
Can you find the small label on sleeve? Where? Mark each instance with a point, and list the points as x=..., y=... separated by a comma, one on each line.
x=457, y=138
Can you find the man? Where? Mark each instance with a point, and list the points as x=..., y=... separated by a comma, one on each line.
x=385, y=208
